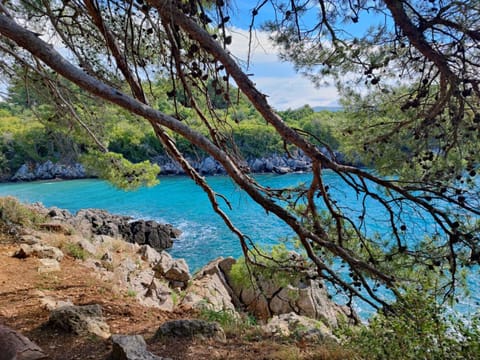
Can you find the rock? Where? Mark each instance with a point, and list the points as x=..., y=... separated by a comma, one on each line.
x=55, y=227
x=158, y=295
x=24, y=173
x=209, y=166
x=92, y=223
x=282, y=170
x=50, y=303
x=48, y=265
x=164, y=263
x=15, y=346
x=172, y=270
x=49, y=170
x=149, y=254
x=258, y=165
x=178, y=271
x=140, y=281
x=191, y=328
x=87, y=246
x=130, y=347
x=301, y=327
x=151, y=233
x=39, y=250
x=80, y=320
x=29, y=239
x=209, y=288
x=305, y=296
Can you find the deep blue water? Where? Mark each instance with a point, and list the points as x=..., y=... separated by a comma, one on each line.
x=178, y=201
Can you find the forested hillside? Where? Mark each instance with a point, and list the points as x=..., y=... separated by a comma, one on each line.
x=29, y=131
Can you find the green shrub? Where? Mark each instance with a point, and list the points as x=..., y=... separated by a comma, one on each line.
x=232, y=323
x=14, y=212
x=275, y=265
x=419, y=328
x=75, y=251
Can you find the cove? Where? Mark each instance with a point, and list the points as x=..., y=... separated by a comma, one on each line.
x=178, y=201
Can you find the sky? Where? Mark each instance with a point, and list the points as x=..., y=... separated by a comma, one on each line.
x=277, y=79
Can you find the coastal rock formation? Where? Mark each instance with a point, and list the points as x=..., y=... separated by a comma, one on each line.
x=273, y=163
x=92, y=222
x=305, y=295
x=277, y=163
x=48, y=170
x=210, y=289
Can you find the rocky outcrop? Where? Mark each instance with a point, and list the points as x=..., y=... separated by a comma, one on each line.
x=280, y=164
x=303, y=295
x=91, y=222
x=273, y=163
x=191, y=328
x=214, y=289
x=49, y=170
x=175, y=271
x=15, y=346
x=80, y=320
x=210, y=289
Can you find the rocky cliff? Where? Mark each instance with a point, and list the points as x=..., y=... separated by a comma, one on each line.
x=274, y=163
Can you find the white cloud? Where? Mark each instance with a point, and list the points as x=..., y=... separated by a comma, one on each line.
x=295, y=91
x=278, y=80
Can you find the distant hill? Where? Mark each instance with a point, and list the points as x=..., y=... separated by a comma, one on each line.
x=328, y=108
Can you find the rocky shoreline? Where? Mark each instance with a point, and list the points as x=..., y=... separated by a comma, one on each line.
x=130, y=255
x=274, y=163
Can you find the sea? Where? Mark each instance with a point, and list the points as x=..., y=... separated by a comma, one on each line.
x=177, y=200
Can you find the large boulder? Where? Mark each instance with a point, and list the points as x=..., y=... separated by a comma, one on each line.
x=15, y=346
x=80, y=320
x=151, y=233
x=39, y=250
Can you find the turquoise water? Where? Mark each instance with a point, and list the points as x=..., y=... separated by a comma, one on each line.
x=178, y=201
